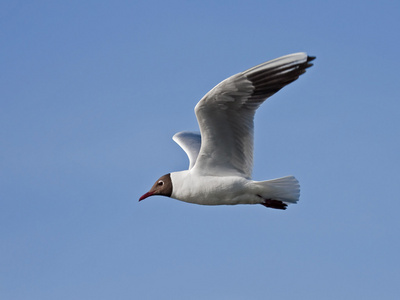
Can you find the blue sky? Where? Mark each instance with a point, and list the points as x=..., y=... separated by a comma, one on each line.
x=91, y=94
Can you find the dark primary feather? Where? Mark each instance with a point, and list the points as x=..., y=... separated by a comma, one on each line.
x=267, y=82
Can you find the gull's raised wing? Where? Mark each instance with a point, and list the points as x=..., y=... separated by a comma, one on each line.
x=225, y=114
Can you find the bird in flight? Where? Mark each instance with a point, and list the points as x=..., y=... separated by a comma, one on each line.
x=221, y=156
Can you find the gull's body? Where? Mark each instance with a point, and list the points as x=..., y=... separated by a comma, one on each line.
x=221, y=156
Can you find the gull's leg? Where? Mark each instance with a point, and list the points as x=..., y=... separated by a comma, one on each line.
x=274, y=204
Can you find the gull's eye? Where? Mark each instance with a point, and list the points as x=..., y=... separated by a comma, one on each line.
x=160, y=183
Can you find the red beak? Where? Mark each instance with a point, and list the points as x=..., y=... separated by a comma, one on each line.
x=148, y=194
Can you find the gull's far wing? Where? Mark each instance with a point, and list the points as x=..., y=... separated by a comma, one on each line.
x=190, y=142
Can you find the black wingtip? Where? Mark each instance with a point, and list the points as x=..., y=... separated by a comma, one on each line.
x=311, y=58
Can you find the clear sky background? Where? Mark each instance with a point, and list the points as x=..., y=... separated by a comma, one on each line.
x=91, y=94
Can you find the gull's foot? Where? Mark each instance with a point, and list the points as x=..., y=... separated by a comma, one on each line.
x=274, y=204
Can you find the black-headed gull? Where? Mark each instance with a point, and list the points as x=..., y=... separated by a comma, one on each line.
x=221, y=156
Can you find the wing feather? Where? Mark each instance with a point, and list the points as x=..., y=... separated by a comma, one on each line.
x=225, y=114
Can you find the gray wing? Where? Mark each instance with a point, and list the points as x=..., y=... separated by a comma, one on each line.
x=225, y=114
x=190, y=142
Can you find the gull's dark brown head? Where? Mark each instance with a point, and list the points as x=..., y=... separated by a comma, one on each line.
x=162, y=187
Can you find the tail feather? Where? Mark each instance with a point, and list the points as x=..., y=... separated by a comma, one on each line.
x=285, y=189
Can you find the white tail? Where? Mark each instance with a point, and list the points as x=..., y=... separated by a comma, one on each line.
x=285, y=189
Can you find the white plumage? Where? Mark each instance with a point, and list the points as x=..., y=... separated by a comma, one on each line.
x=221, y=156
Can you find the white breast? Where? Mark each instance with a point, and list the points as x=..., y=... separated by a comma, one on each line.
x=212, y=190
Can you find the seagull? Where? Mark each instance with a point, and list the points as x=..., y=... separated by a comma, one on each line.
x=221, y=155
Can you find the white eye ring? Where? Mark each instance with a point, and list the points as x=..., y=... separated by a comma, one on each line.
x=160, y=183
